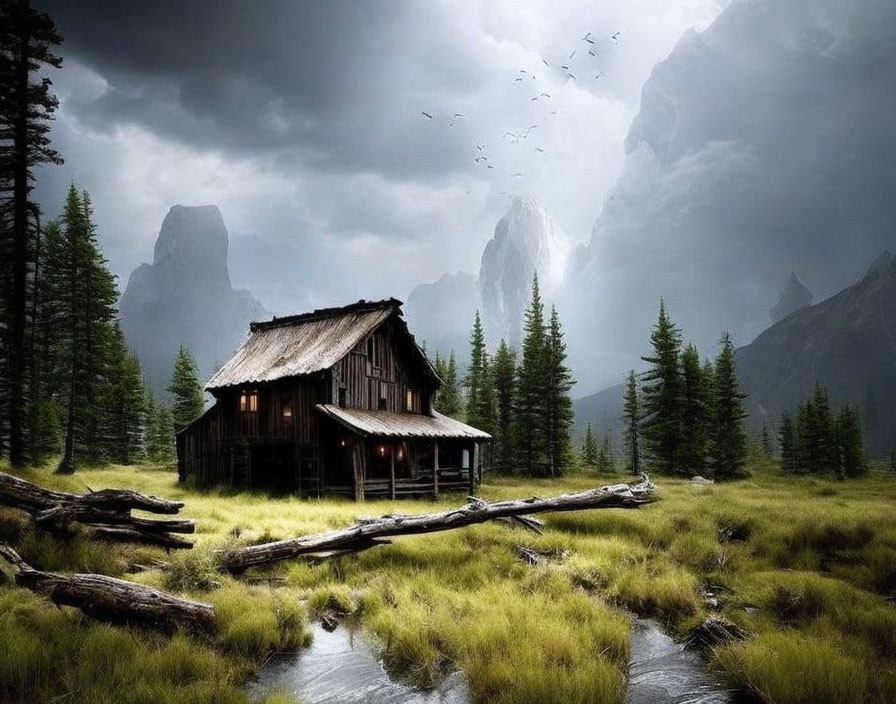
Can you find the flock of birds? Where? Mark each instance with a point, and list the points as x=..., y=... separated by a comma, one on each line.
x=574, y=61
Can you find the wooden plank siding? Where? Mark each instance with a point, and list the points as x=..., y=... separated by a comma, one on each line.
x=259, y=444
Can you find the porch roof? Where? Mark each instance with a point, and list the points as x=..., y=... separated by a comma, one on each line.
x=401, y=425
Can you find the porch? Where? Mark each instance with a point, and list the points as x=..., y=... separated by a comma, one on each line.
x=399, y=455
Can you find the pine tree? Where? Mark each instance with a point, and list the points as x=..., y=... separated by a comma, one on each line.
x=765, y=441
x=159, y=432
x=728, y=444
x=605, y=456
x=693, y=413
x=851, y=447
x=124, y=404
x=186, y=392
x=83, y=292
x=476, y=373
x=631, y=419
x=589, y=447
x=504, y=374
x=449, y=394
x=529, y=423
x=661, y=425
x=559, y=411
x=788, y=444
x=27, y=39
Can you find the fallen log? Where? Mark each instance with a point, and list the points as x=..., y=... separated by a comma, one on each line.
x=368, y=532
x=105, y=513
x=112, y=600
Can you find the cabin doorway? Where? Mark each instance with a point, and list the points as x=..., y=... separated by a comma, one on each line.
x=272, y=467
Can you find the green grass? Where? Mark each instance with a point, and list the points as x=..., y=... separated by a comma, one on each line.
x=806, y=564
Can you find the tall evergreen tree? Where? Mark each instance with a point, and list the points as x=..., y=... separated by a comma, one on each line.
x=632, y=421
x=559, y=411
x=787, y=443
x=449, y=395
x=765, y=441
x=84, y=293
x=728, y=446
x=124, y=403
x=605, y=456
x=589, y=447
x=186, y=392
x=504, y=375
x=27, y=40
x=851, y=447
x=661, y=425
x=694, y=413
x=530, y=431
x=476, y=374
x=159, y=432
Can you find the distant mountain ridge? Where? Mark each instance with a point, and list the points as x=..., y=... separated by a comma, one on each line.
x=185, y=297
x=846, y=342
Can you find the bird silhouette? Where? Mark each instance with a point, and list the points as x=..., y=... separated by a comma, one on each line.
x=615, y=36
x=426, y=114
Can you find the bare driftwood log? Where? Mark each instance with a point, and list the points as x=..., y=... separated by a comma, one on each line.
x=112, y=600
x=105, y=513
x=368, y=532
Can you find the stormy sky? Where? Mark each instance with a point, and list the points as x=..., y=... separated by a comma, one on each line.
x=302, y=122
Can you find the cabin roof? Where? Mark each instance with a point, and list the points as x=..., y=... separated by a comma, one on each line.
x=304, y=344
x=401, y=425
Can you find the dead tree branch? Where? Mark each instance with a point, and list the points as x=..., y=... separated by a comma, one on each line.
x=106, y=513
x=368, y=532
x=112, y=600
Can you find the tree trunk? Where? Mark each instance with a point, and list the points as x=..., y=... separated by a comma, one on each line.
x=113, y=600
x=368, y=532
x=105, y=513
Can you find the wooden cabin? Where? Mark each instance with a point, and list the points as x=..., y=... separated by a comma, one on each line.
x=337, y=401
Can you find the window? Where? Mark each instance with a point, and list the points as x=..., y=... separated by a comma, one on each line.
x=249, y=401
x=286, y=408
x=382, y=405
x=412, y=401
x=342, y=397
x=371, y=349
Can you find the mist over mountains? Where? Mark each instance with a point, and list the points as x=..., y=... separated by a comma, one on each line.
x=185, y=297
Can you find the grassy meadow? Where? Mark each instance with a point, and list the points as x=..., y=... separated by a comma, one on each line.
x=807, y=565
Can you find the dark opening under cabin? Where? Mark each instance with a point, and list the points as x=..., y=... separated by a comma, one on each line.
x=336, y=401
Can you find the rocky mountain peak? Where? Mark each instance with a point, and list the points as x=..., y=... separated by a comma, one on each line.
x=526, y=241
x=793, y=297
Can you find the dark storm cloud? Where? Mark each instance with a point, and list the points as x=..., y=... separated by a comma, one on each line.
x=336, y=85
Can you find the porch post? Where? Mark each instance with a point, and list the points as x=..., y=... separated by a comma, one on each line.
x=392, y=470
x=358, y=468
x=435, y=469
x=474, y=460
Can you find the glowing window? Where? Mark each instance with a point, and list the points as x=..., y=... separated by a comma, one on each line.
x=286, y=407
x=249, y=401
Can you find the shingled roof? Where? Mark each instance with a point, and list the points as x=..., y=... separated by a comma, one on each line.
x=401, y=425
x=303, y=344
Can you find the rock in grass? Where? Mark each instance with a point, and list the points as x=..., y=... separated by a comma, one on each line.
x=715, y=631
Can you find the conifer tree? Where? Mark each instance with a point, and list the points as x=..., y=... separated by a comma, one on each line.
x=728, y=446
x=852, y=459
x=661, y=425
x=124, y=404
x=476, y=373
x=694, y=414
x=186, y=392
x=765, y=441
x=504, y=374
x=632, y=421
x=449, y=394
x=605, y=456
x=159, y=432
x=787, y=443
x=27, y=39
x=559, y=410
x=84, y=293
x=589, y=447
x=529, y=430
